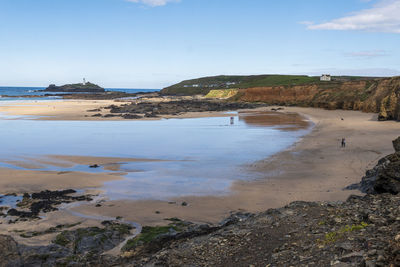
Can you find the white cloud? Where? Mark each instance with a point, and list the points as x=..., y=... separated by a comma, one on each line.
x=367, y=54
x=153, y=3
x=382, y=17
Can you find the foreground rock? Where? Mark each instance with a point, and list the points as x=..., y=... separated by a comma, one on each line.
x=70, y=248
x=363, y=231
x=384, y=177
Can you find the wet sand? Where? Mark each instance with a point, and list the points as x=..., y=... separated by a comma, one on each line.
x=21, y=181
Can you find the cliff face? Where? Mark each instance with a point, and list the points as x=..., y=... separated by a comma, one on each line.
x=380, y=96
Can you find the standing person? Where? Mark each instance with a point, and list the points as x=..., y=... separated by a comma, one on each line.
x=343, y=142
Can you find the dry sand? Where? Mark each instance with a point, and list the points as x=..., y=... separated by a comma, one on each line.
x=58, y=110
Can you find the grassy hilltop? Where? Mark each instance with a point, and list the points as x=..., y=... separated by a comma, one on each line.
x=204, y=85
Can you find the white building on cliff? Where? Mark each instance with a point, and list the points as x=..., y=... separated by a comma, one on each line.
x=326, y=78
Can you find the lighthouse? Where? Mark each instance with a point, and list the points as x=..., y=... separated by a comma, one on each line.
x=84, y=81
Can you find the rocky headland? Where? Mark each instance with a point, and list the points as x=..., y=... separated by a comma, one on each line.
x=362, y=231
x=76, y=88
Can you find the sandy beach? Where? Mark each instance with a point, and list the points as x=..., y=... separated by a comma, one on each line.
x=314, y=169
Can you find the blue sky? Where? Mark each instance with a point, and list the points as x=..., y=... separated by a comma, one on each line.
x=154, y=43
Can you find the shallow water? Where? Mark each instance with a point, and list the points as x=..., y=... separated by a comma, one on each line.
x=202, y=156
x=9, y=201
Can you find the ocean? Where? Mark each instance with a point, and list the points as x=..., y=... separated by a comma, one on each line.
x=35, y=91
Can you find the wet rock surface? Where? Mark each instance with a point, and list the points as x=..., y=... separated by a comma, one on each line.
x=44, y=201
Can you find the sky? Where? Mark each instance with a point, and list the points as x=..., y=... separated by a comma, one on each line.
x=155, y=43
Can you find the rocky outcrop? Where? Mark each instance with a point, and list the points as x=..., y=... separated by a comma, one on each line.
x=384, y=177
x=396, y=144
x=44, y=201
x=76, y=88
x=363, y=231
x=154, y=109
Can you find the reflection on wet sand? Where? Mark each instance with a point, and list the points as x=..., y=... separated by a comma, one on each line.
x=282, y=121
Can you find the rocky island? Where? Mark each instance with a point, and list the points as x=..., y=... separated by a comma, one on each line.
x=76, y=88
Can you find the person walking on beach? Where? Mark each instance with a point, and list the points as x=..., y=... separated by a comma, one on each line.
x=343, y=142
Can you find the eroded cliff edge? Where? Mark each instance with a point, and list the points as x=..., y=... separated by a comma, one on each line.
x=378, y=96
x=367, y=94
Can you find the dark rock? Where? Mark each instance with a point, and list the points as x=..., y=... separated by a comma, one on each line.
x=94, y=166
x=9, y=254
x=52, y=194
x=110, y=116
x=93, y=239
x=45, y=201
x=396, y=144
x=154, y=109
x=131, y=116
x=22, y=214
x=384, y=177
